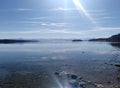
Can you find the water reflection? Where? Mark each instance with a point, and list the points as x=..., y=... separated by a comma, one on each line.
x=34, y=65
x=116, y=54
x=115, y=44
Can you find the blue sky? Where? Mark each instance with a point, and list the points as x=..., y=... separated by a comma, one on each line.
x=59, y=18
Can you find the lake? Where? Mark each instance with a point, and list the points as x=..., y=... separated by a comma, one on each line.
x=46, y=64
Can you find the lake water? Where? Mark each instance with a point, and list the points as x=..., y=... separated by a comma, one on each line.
x=33, y=65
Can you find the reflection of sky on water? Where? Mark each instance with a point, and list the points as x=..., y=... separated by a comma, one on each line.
x=84, y=58
x=56, y=47
x=57, y=51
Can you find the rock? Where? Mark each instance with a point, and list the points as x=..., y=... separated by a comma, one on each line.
x=118, y=78
x=80, y=78
x=83, y=52
x=99, y=86
x=40, y=76
x=109, y=82
x=89, y=82
x=56, y=73
x=66, y=65
x=68, y=75
x=73, y=83
x=105, y=62
x=117, y=65
x=111, y=64
x=74, y=76
x=82, y=84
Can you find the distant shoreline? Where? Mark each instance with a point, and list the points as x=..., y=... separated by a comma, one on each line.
x=114, y=38
x=8, y=41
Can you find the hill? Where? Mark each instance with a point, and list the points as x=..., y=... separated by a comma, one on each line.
x=114, y=38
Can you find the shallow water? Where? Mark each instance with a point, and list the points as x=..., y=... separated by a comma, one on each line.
x=33, y=65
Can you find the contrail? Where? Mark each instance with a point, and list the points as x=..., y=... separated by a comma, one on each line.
x=81, y=9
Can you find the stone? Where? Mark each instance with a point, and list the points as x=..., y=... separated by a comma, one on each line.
x=82, y=84
x=89, y=81
x=56, y=73
x=117, y=65
x=83, y=52
x=109, y=82
x=99, y=86
x=80, y=78
x=118, y=78
x=74, y=76
x=73, y=83
x=105, y=62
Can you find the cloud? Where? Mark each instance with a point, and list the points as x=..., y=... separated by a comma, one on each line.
x=26, y=32
x=109, y=28
x=24, y=9
x=97, y=11
x=30, y=22
x=63, y=9
x=45, y=31
x=39, y=18
x=47, y=24
x=101, y=29
x=16, y=9
x=54, y=24
x=106, y=18
x=67, y=31
x=62, y=31
x=100, y=14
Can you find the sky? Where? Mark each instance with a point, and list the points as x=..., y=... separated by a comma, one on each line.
x=59, y=19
